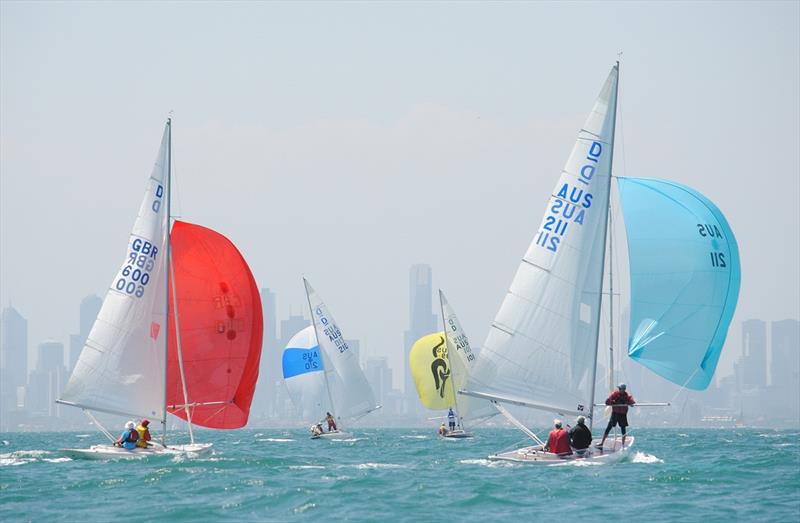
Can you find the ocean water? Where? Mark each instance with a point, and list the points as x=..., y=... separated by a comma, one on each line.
x=405, y=475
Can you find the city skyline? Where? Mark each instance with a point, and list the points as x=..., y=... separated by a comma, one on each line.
x=768, y=364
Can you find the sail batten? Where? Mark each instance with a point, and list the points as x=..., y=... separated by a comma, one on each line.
x=543, y=339
x=121, y=367
x=349, y=388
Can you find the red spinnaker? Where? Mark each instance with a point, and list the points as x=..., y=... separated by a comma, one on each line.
x=221, y=326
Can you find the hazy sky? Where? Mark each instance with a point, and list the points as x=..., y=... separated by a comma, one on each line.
x=346, y=141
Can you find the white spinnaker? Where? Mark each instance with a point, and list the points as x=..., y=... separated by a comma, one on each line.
x=542, y=345
x=307, y=391
x=352, y=394
x=121, y=368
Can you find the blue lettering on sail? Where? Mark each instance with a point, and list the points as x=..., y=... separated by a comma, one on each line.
x=301, y=361
x=331, y=330
x=570, y=203
x=135, y=273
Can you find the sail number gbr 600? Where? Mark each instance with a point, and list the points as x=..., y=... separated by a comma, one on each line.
x=135, y=273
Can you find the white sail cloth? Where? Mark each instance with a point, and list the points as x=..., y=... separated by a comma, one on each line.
x=306, y=386
x=542, y=345
x=122, y=367
x=351, y=392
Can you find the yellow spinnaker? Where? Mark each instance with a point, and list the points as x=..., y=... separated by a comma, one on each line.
x=430, y=369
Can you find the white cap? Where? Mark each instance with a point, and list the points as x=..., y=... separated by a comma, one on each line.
x=130, y=425
x=557, y=422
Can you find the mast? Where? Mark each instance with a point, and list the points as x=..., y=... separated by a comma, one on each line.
x=452, y=382
x=321, y=351
x=171, y=269
x=610, y=297
x=169, y=257
x=605, y=235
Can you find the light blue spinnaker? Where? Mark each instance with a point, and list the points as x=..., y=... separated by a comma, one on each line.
x=301, y=361
x=685, y=275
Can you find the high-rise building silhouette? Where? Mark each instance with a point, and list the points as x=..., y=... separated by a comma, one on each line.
x=13, y=364
x=422, y=320
x=90, y=307
x=47, y=380
x=269, y=367
x=754, y=354
x=785, y=375
x=379, y=376
x=785, y=353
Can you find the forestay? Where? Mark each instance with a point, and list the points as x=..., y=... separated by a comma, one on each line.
x=221, y=327
x=122, y=366
x=462, y=360
x=685, y=274
x=303, y=375
x=541, y=347
x=352, y=394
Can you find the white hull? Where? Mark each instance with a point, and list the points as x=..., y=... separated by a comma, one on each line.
x=112, y=452
x=456, y=434
x=336, y=434
x=611, y=452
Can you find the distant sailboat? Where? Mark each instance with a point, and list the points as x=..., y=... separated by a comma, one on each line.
x=322, y=374
x=541, y=351
x=439, y=364
x=179, y=330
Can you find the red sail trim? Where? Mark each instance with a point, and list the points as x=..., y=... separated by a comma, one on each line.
x=219, y=313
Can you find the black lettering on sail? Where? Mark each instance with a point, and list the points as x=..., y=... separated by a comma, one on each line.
x=439, y=366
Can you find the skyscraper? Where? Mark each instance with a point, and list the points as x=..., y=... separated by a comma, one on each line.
x=379, y=376
x=47, y=379
x=785, y=369
x=269, y=368
x=785, y=353
x=90, y=306
x=754, y=354
x=13, y=362
x=422, y=320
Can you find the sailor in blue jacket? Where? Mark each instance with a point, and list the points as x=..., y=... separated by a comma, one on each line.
x=128, y=438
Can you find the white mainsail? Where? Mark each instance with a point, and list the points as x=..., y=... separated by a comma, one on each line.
x=542, y=346
x=351, y=393
x=122, y=367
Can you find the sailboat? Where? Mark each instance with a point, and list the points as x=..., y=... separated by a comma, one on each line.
x=179, y=330
x=542, y=348
x=439, y=364
x=322, y=374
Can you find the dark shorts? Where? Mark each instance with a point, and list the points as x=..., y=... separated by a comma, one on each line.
x=618, y=418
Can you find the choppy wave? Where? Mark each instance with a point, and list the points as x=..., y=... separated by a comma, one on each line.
x=394, y=472
x=641, y=457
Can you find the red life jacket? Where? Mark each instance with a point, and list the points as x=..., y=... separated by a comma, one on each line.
x=619, y=402
x=558, y=443
x=133, y=436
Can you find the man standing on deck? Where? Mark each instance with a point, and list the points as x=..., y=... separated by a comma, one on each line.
x=331, y=422
x=451, y=419
x=558, y=442
x=619, y=400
